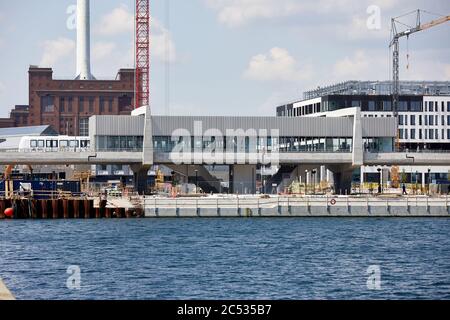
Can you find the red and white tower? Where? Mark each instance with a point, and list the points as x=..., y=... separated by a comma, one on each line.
x=142, y=82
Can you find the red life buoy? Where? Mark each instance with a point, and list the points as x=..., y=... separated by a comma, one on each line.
x=9, y=212
x=333, y=202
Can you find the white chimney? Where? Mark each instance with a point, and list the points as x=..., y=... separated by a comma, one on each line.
x=83, y=41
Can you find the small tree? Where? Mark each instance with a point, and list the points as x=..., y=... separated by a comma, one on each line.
x=395, y=176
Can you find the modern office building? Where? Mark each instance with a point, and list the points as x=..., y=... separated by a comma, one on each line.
x=423, y=116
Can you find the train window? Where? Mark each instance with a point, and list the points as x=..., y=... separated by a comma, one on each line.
x=33, y=144
x=74, y=144
x=64, y=143
x=52, y=143
x=41, y=143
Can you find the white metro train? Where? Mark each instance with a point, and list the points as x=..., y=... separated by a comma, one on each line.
x=53, y=144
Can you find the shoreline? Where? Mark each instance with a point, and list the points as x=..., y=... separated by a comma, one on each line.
x=232, y=206
x=5, y=294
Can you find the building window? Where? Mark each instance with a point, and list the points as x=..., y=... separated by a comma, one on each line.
x=62, y=103
x=442, y=133
x=47, y=104
x=448, y=133
x=448, y=106
x=102, y=105
x=435, y=106
x=110, y=105
x=400, y=120
x=371, y=105
x=430, y=134
x=401, y=133
x=81, y=104
x=84, y=127
x=70, y=107
x=436, y=134
x=442, y=106
x=387, y=105
x=443, y=120
x=431, y=120
x=420, y=134
x=416, y=106
x=403, y=106
x=413, y=120
x=413, y=133
x=406, y=133
x=420, y=120
x=91, y=105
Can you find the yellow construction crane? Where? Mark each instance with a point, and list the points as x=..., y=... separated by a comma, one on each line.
x=396, y=48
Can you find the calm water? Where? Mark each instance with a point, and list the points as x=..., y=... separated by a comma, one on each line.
x=227, y=258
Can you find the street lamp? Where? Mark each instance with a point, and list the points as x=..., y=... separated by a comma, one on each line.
x=379, y=180
x=196, y=181
x=306, y=182
x=314, y=180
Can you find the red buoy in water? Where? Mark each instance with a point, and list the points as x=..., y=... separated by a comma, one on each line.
x=9, y=212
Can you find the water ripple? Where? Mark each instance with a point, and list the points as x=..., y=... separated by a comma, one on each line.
x=227, y=258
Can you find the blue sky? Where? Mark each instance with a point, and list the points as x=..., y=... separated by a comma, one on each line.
x=223, y=57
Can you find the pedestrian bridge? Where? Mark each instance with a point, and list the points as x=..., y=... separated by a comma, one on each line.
x=16, y=157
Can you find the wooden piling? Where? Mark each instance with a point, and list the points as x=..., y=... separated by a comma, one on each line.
x=2, y=209
x=76, y=209
x=34, y=211
x=66, y=209
x=87, y=209
x=108, y=213
x=55, y=209
x=44, y=208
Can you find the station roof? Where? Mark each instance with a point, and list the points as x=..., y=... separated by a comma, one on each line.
x=45, y=130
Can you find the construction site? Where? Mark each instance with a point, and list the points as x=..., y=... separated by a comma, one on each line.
x=372, y=140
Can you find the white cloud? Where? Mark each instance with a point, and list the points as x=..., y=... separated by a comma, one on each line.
x=276, y=65
x=2, y=88
x=447, y=71
x=357, y=30
x=102, y=50
x=121, y=21
x=55, y=50
x=359, y=66
x=234, y=13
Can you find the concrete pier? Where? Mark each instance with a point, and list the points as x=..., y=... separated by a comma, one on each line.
x=324, y=206
x=5, y=294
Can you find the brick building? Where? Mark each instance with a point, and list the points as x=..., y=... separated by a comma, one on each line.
x=66, y=105
x=18, y=117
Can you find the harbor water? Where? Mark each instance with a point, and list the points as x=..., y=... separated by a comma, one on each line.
x=267, y=258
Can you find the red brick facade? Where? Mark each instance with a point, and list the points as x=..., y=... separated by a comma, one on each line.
x=66, y=105
x=18, y=118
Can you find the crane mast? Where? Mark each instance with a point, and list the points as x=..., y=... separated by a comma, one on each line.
x=396, y=49
x=142, y=72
